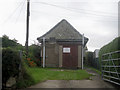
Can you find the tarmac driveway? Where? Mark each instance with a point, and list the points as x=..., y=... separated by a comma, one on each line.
x=94, y=82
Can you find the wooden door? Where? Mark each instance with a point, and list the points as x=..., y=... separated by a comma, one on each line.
x=70, y=56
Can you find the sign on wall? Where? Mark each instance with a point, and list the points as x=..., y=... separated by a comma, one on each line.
x=66, y=50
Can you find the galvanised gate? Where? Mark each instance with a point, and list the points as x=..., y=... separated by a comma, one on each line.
x=110, y=67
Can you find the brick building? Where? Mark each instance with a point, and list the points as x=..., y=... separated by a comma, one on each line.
x=63, y=46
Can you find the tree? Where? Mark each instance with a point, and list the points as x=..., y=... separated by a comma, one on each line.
x=6, y=42
x=12, y=43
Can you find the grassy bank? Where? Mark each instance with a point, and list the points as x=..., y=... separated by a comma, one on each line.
x=40, y=74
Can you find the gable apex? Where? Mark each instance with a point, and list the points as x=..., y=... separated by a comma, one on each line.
x=63, y=31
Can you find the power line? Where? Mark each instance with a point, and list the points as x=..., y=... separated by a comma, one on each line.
x=12, y=13
x=20, y=11
x=95, y=11
x=73, y=10
x=98, y=20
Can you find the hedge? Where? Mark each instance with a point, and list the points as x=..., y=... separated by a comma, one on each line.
x=10, y=64
x=110, y=47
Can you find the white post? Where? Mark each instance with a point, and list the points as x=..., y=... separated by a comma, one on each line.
x=43, y=52
x=82, y=49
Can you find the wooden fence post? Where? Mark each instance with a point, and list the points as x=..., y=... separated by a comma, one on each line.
x=20, y=65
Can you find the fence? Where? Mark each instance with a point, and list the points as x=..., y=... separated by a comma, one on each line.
x=110, y=67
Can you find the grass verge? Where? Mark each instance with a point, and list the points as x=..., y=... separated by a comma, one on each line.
x=39, y=74
x=96, y=70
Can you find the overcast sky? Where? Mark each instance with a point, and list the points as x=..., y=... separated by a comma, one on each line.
x=97, y=19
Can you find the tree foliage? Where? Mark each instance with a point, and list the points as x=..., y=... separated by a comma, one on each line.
x=6, y=42
x=12, y=43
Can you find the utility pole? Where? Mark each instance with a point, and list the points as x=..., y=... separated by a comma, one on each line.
x=43, y=52
x=82, y=50
x=27, y=27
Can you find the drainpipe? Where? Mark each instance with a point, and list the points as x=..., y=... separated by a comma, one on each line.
x=82, y=49
x=43, y=52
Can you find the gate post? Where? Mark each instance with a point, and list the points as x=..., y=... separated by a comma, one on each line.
x=20, y=65
x=101, y=67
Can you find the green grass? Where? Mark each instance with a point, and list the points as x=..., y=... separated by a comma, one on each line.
x=36, y=75
x=97, y=71
x=40, y=74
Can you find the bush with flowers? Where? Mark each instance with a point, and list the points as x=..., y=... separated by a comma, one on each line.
x=34, y=54
x=33, y=58
x=30, y=62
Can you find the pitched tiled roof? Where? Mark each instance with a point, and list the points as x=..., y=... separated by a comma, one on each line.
x=63, y=31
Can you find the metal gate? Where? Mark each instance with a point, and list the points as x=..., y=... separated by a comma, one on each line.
x=110, y=67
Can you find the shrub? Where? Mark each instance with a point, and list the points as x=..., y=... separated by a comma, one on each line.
x=30, y=62
x=10, y=64
x=34, y=54
x=25, y=80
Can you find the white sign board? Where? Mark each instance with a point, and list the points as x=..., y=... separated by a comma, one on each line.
x=66, y=50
